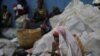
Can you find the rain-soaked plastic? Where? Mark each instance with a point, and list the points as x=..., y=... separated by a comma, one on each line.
x=67, y=45
x=80, y=19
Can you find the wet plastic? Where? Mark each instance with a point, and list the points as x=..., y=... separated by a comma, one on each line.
x=79, y=19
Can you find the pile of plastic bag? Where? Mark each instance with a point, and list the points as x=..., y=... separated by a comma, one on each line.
x=77, y=18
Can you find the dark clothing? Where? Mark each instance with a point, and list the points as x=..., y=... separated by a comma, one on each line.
x=39, y=18
x=33, y=25
x=20, y=52
x=5, y=20
x=40, y=15
x=55, y=11
x=55, y=47
x=53, y=14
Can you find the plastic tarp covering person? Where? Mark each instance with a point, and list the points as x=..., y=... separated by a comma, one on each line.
x=67, y=44
x=79, y=19
x=82, y=20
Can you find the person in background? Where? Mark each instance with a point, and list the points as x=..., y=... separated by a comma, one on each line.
x=21, y=16
x=40, y=15
x=5, y=18
x=21, y=19
x=55, y=11
x=40, y=18
x=24, y=4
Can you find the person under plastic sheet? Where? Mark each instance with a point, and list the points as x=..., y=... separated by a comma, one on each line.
x=83, y=20
x=67, y=45
x=5, y=18
x=55, y=45
x=40, y=18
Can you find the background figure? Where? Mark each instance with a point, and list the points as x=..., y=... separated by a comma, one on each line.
x=40, y=18
x=24, y=4
x=40, y=14
x=5, y=18
x=55, y=11
x=21, y=16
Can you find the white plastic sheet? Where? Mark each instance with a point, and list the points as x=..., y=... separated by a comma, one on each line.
x=84, y=21
x=68, y=46
x=79, y=19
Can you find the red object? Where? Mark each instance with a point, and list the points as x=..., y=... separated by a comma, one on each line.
x=55, y=34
